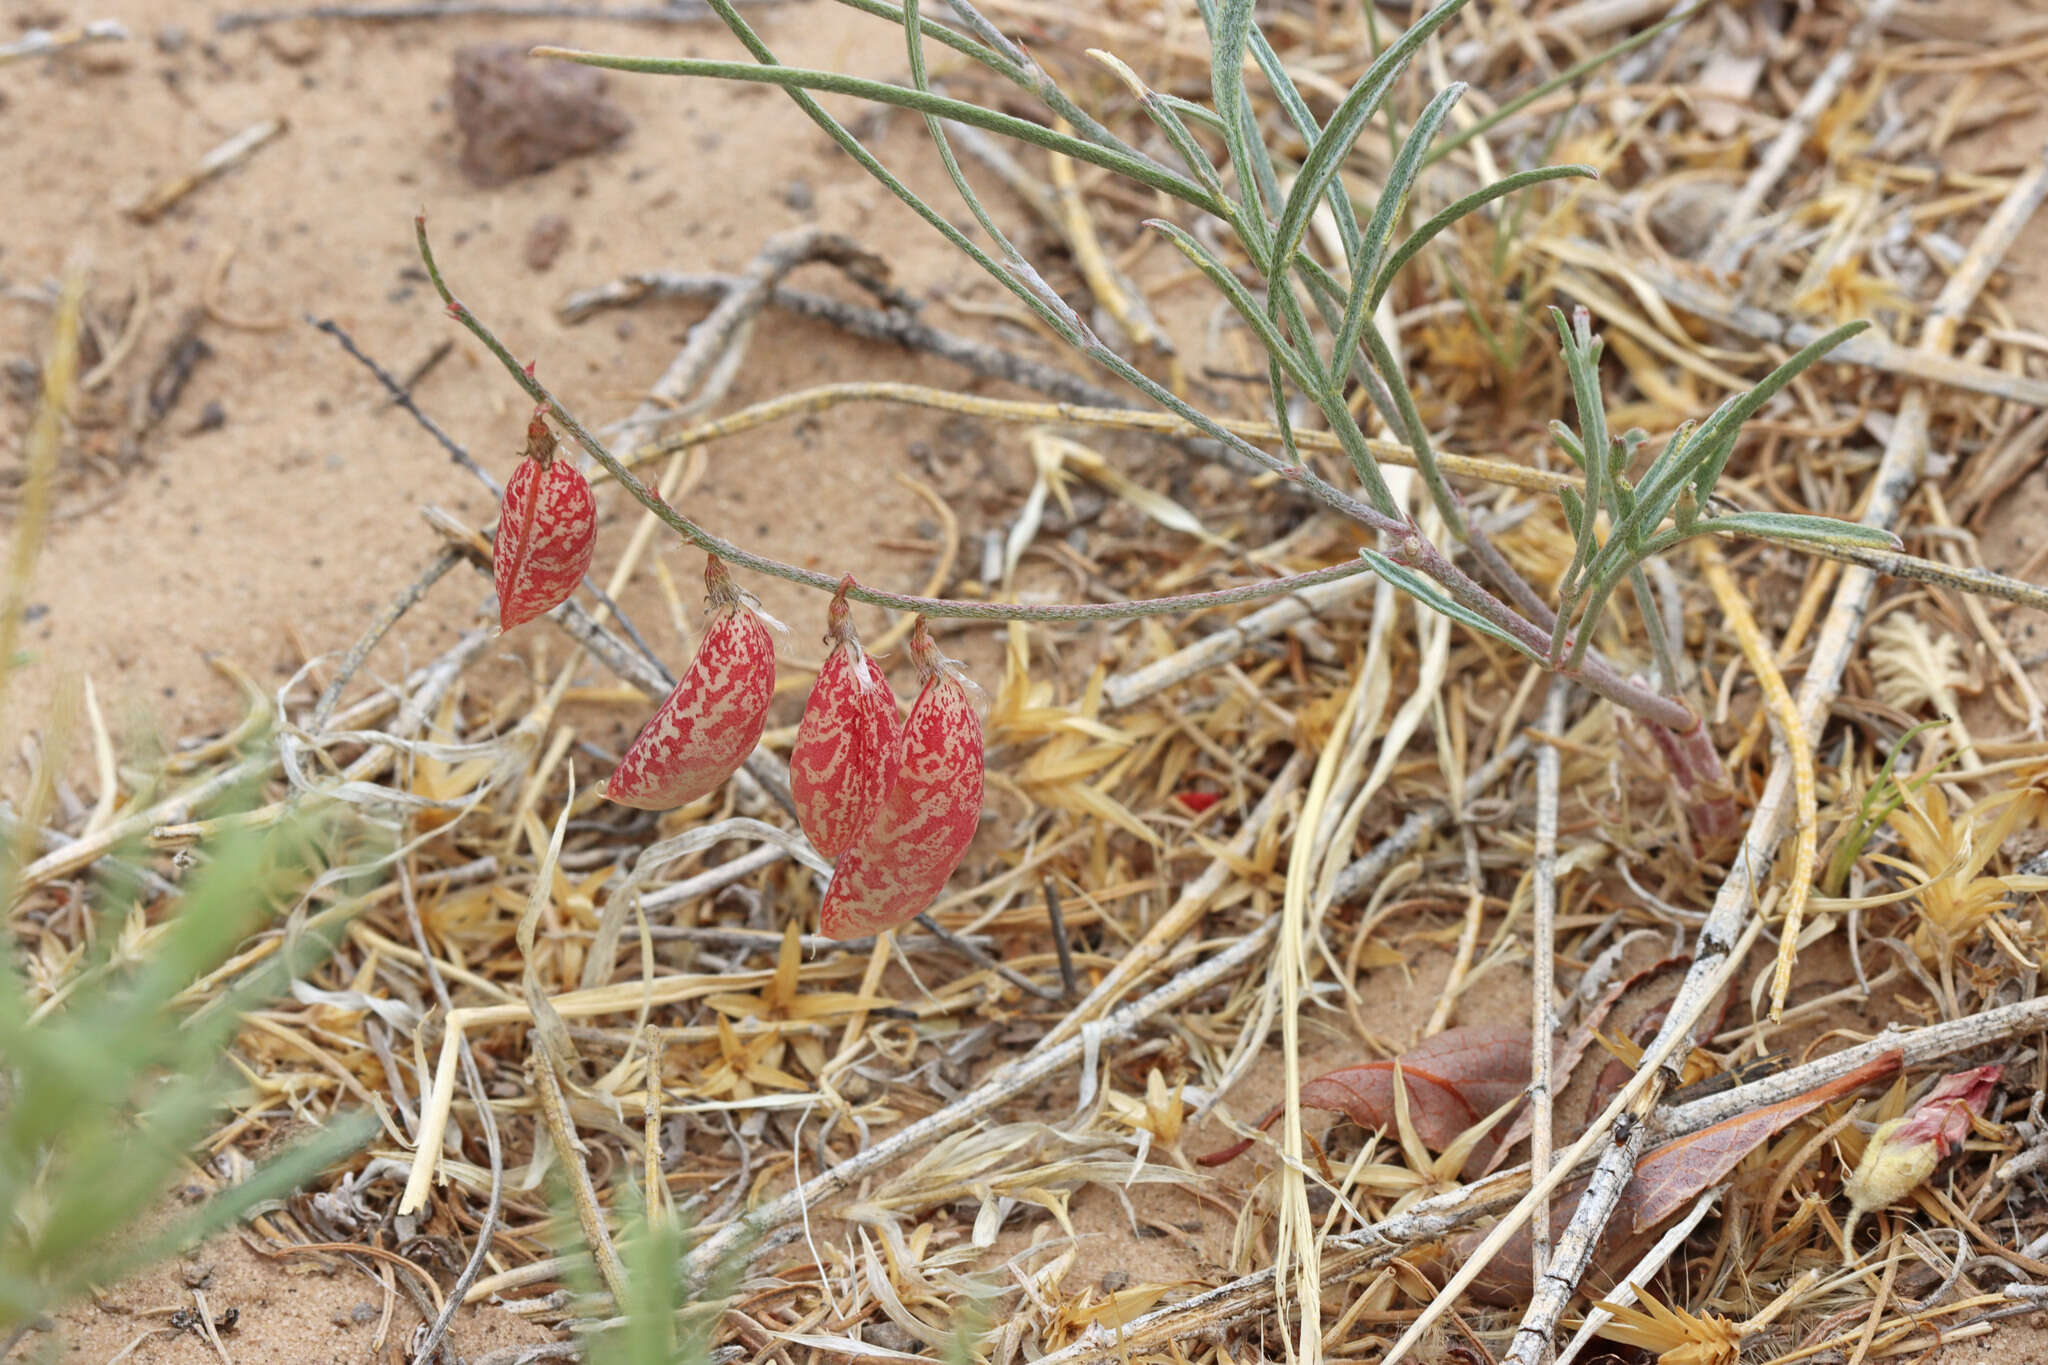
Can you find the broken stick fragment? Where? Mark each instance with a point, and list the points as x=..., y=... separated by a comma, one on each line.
x=162, y=199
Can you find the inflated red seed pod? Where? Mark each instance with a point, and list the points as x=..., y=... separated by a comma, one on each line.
x=845, y=752
x=901, y=861
x=547, y=530
x=714, y=717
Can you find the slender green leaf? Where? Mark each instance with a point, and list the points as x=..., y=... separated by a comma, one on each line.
x=1427, y=592
x=1386, y=213
x=1239, y=298
x=1574, y=510
x=1015, y=65
x=996, y=61
x=1464, y=208
x=1297, y=111
x=1140, y=169
x=1326, y=157
x=1658, y=489
x=1163, y=114
x=1782, y=528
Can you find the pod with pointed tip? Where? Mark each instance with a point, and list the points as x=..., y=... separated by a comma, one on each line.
x=547, y=531
x=901, y=861
x=715, y=715
x=845, y=752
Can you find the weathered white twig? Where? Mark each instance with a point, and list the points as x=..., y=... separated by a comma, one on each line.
x=1624, y=1293
x=704, y=368
x=38, y=41
x=228, y=154
x=1871, y=349
x=1941, y=1042
x=1543, y=965
x=1126, y=689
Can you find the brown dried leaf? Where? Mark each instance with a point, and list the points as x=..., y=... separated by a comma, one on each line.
x=1453, y=1080
x=1666, y=1180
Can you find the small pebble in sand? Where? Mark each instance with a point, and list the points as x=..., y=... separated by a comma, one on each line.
x=518, y=116
x=545, y=240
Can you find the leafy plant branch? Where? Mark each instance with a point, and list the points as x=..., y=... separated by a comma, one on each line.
x=1316, y=326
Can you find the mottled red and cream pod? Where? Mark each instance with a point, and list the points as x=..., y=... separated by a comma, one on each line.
x=547, y=530
x=714, y=717
x=845, y=754
x=901, y=861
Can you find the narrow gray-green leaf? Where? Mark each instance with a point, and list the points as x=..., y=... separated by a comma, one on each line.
x=1465, y=207
x=1379, y=229
x=883, y=92
x=1326, y=157
x=1427, y=592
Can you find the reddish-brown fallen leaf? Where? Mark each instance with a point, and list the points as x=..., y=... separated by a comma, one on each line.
x=1667, y=1179
x=1454, y=1079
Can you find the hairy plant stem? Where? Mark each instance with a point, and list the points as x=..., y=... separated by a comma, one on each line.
x=1593, y=673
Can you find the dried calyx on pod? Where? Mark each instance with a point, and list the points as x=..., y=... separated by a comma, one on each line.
x=900, y=862
x=547, y=530
x=714, y=717
x=845, y=754
x=1903, y=1152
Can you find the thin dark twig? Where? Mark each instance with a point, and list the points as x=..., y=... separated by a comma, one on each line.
x=973, y=953
x=426, y=367
x=1069, y=982
x=402, y=396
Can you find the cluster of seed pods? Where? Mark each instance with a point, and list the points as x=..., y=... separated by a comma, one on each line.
x=925, y=818
x=895, y=803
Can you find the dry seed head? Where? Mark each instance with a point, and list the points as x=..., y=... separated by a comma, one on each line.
x=713, y=718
